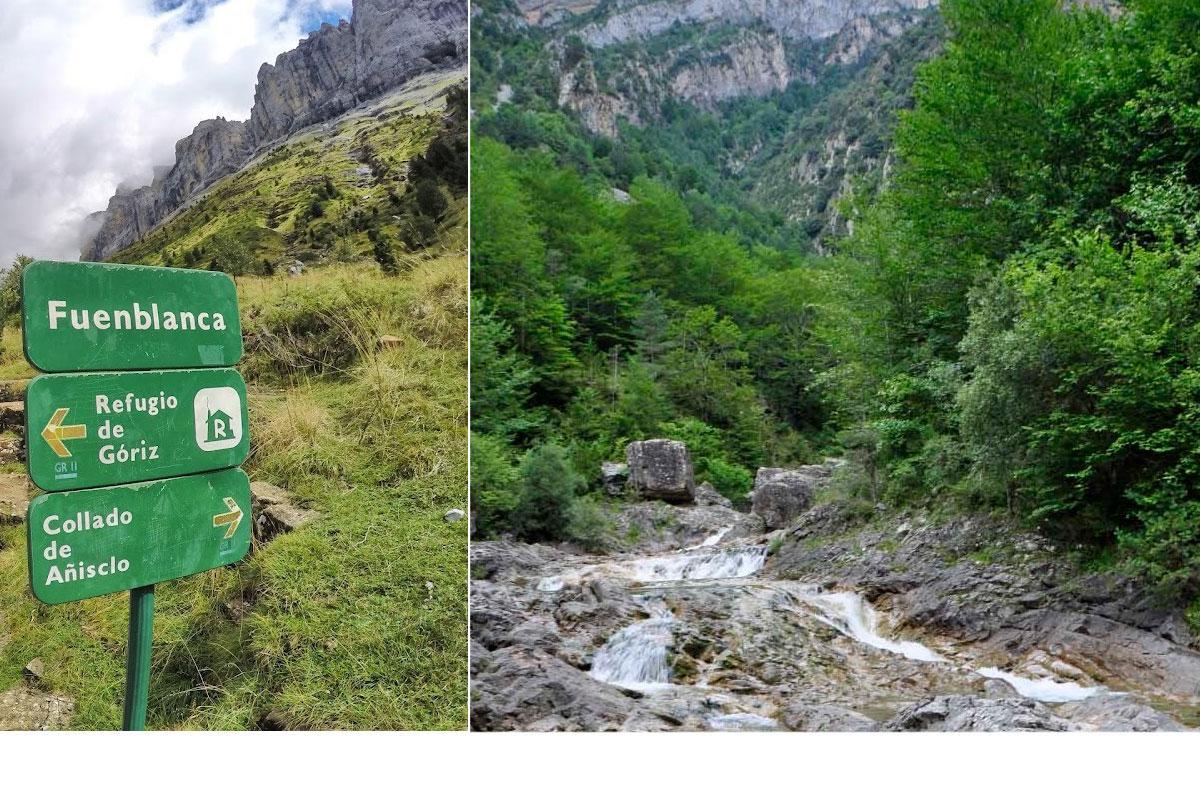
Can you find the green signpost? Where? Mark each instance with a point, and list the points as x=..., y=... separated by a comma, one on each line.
x=163, y=438
x=111, y=316
x=92, y=542
x=105, y=428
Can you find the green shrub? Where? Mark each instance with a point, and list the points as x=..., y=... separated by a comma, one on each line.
x=494, y=483
x=10, y=288
x=546, y=508
x=429, y=199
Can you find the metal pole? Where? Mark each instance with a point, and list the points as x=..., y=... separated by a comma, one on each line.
x=137, y=658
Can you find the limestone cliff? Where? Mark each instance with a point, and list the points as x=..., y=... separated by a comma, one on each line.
x=384, y=44
x=792, y=19
x=625, y=61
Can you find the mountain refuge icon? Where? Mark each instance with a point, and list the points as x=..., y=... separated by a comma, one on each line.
x=220, y=426
x=218, y=417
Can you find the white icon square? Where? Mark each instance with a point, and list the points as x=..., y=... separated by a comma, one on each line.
x=218, y=413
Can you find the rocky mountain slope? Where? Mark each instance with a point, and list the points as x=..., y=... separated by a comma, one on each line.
x=385, y=44
x=347, y=241
x=840, y=68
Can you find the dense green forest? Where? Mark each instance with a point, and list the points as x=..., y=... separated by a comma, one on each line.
x=1012, y=325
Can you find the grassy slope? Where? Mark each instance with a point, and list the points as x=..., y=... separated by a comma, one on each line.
x=357, y=620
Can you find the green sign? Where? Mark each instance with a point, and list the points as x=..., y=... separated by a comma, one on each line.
x=81, y=317
x=99, y=541
x=105, y=428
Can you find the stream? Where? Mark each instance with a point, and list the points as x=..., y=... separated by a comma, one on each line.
x=701, y=578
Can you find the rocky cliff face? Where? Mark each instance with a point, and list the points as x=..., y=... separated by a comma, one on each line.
x=626, y=60
x=754, y=64
x=385, y=43
x=705, y=52
x=792, y=19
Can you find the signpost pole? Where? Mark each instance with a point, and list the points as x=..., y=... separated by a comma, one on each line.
x=145, y=488
x=137, y=659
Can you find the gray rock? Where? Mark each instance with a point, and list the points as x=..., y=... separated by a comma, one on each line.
x=791, y=19
x=25, y=708
x=454, y=515
x=964, y=713
x=398, y=40
x=276, y=511
x=661, y=469
x=614, y=477
x=803, y=716
x=518, y=689
x=654, y=525
x=782, y=495
x=35, y=671
x=707, y=495
x=1116, y=712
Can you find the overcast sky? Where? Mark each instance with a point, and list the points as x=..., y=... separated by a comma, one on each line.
x=95, y=93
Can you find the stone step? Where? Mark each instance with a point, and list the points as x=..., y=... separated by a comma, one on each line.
x=12, y=450
x=12, y=416
x=276, y=511
x=12, y=390
x=14, y=498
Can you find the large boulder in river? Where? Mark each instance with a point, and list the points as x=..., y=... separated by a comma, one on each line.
x=781, y=495
x=661, y=469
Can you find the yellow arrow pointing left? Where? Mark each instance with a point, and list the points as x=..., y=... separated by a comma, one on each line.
x=55, y=432
x=232, y=517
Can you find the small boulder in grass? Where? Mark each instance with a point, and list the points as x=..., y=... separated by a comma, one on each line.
x=276, y=511
x=454, y=515
x=34, y=672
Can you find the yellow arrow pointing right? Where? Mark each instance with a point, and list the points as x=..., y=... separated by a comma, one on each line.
x=232, y=517
x=55, y=432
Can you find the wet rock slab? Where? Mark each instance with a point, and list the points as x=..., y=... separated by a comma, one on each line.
x=960, y=713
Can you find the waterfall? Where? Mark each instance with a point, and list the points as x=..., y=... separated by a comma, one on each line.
x=1044, y=689
x=734, y=562
x=849, y=614
x=636, y=656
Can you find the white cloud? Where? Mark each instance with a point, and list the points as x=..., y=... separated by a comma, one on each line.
x=95, y=94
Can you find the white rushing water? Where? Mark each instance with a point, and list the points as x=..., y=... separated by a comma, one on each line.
x=1044, y=689
x=742, y=722
x=699, y=565
x=636, y=656
x=711, y=541
x=858, y=619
